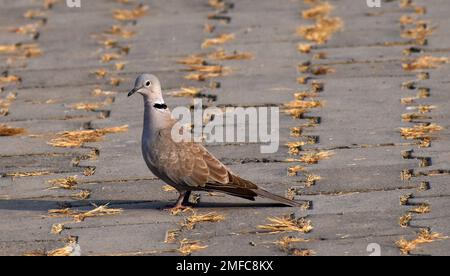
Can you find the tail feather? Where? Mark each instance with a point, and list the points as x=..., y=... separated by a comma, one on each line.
x=283, y=200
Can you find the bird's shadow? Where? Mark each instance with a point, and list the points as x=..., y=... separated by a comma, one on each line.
x=45, y=205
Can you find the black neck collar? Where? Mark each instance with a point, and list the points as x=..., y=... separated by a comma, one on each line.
x=160, y=106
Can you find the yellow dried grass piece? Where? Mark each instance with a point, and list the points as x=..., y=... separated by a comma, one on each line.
x=110, y=57
x=26, y=29
x=127, y=15
x=87, y=106
x=119, y=66
x=405, y=220
x=293, y=171
x=202, y=76
x=222, y=55
x=79, y=216
x=186, y=92
x=27, y=174
x=70, y=249
x=420, y=33
x=409, y=117
x=192, y=60
x=285, y=242
x=322, y=31
x=406, y=20
x=57, y=228
x=82, y=195
x=70, y=139
x=187, y=247
x=322, y=70
x=209, y=68
x=425, y=236
x=195, y=218
x=168, y=188
x=295, y=147
x=304, y=48
x=97, y=92
x=287, y=224
x=31, y=14
x=419, y=131
x=303, y=104
x=423, y=208
x=221, y=39
x=10, y=131
x=296, y=113
x=302, y=252
x=9, y=79
x=120, y=31
x=313, y=158
x=171, y=236
x=67, y=183
x=425, y=62
x=320, y=11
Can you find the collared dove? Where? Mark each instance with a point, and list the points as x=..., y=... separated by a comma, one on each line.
x=186, y=166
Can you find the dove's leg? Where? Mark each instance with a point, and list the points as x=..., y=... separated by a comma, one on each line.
x=183, y=200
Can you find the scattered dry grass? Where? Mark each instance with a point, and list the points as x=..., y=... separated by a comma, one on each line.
x=9, y=79
x=302, y=252
x=313, y=158
x=195, y=218
x=287, y=224
x=27, y=174
x=221, y=39
x=409, y=117
x=73, y=139
x=285, y=242
x=404, y=199
x=32, y=14
x=317, y=12
x=171, y=236
x=303, y=104
x=322, y=30
x=28, y=29
x=57, y=228
x=295, y=147
x=168, y=188
x=68, y=183
x=425, y=236
x=296, y=113
x=70, y=249
x=304, y=48
x=10, y=131
x=187, y=247
x=87, y=106
x=186, y=92
x=79, y=216
x=419, y=33
x=405, y=220
x=322, y=70
x=419, y=131
x=82, y=195
x=192, y=60
x=423, y=208
x=203, y=76
x=97, y=92
x=293, y=171
x=425, y=62
x=222, y=55
x=120, y=31
x=128, y=15
x=110, y=57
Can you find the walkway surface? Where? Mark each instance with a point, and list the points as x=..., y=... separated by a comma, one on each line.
x=364, y=125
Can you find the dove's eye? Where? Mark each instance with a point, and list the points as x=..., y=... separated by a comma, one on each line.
x=148, y=83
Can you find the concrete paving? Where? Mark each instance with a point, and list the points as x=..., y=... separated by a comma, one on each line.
x=372, y=178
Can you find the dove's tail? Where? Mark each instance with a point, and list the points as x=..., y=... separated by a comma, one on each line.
x=283, y=200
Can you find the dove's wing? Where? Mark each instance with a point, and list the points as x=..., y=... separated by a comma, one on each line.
x=190, y=164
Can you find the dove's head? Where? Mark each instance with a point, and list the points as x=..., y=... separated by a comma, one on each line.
x=148, y=86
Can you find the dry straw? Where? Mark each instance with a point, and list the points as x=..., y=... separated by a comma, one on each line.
x=287, y=224
x=73, y=139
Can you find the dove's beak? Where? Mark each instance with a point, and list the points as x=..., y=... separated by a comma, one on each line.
x=133, y=91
